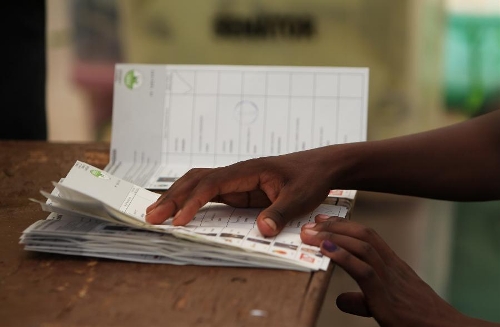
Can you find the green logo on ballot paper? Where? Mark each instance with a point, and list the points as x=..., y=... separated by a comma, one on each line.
x=132, y=79
x=98, y=174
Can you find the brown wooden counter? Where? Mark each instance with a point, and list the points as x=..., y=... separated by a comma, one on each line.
x=55, y=290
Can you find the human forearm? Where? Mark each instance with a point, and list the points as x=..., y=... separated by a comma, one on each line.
x=456, y=163
x=460, y=162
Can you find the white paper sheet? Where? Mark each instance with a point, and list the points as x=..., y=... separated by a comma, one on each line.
x=177, y=117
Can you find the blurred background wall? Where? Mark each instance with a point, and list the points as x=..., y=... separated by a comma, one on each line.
x=400, y=41
x=471, y=88
x=432, y=63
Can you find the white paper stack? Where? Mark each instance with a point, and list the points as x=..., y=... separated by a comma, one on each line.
x=96, y=214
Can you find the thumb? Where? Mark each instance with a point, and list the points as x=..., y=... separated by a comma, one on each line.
x=285, y=208
x=353, y=303
x=271, y=221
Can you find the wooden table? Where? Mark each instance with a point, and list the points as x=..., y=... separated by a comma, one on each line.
x=47, y=290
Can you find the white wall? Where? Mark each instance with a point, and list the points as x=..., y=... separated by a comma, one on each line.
x=480, y=7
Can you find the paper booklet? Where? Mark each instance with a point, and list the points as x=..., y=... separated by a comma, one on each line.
x=94, y=213
x=168, y=119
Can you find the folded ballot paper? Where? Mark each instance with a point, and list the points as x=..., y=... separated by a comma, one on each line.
x=96, y=214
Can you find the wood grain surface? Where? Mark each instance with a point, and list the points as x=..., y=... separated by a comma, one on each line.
x=47, y=290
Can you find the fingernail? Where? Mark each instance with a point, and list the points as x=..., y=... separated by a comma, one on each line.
x=322, y=216
x=329, y=246
x=148, y=210
x=309, y=225
x=270, y=223
x=310, y=232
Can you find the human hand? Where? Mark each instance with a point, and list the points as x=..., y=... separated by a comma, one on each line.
x=391, y=291
x=288, y=186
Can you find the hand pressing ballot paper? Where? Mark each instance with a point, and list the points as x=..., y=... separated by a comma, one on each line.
x=94, y=213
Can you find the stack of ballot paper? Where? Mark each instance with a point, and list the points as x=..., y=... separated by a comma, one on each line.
x=93, y=213
x=168, y=119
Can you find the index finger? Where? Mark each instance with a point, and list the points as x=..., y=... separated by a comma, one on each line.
x=171, y=200
x=220, y=182
x=341, y=226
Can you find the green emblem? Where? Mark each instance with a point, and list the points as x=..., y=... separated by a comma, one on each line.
x=132, y=79
x=98, y=174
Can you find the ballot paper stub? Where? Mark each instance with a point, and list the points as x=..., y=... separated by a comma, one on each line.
x=94, y=213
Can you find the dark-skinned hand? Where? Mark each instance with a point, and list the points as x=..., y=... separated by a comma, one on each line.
x=286, y=186
x=392, y=292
